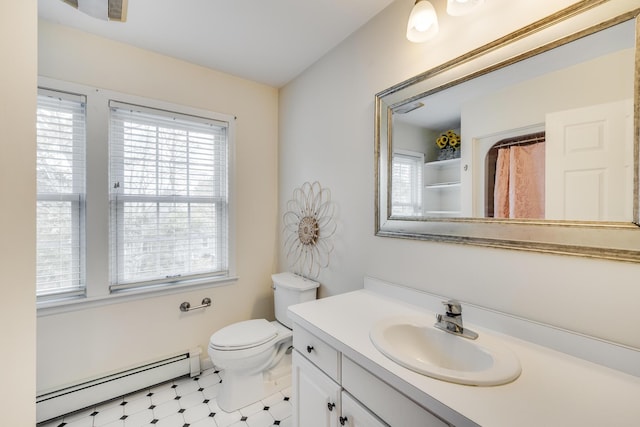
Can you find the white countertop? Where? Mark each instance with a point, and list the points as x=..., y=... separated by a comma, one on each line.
x=554, y=389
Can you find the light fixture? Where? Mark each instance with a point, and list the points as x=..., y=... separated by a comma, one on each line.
x=111, y=10
x=462, y=7
x=423, y=22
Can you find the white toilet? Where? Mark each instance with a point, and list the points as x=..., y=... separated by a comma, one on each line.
x=254, y=356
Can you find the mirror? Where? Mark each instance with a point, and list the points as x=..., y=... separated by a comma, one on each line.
x=530, y=142
x=549, y=137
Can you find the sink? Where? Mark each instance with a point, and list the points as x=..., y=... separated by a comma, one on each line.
x=414, y=343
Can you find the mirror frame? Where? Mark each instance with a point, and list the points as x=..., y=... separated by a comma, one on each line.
x=609, y=240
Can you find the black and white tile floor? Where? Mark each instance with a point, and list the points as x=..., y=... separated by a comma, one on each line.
x=185, y=402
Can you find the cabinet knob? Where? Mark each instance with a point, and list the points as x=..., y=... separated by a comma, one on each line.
x=309, y=348
x=343, y=420
x=330, y=406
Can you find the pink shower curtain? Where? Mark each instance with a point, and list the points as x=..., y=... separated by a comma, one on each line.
x=519, y=187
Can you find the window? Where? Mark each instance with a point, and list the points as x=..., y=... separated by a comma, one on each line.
x=134, y=194
x=407, y=183
x=169, y=196
x=60, y=169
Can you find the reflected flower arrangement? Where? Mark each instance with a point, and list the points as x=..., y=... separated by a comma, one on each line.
x=308, y=226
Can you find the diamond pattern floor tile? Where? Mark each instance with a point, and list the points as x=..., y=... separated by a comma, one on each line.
x=137, y=405
x=191, y=400
x=252, y=409
x=260, y=419
x=180, y=403
x=196, y=413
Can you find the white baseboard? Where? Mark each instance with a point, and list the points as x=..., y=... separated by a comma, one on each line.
x=53, y=404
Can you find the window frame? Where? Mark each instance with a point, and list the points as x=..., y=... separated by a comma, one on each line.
x=76, y=197
x=97, y=222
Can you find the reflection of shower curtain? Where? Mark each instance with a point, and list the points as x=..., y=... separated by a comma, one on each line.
x=519, y=188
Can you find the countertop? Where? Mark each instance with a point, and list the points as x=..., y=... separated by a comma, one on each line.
x=554, y=389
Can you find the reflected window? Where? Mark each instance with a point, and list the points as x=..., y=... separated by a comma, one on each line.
x=406, y=179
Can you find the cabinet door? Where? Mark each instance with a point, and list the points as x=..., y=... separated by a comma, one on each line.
x=387, y=403
x=316, y=397
x=356, y=415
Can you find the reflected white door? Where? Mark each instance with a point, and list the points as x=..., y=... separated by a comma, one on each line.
x=589, y=163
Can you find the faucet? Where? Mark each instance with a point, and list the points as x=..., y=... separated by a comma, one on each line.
x=451, y=321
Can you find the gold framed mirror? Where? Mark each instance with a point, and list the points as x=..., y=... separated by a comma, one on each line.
x=577, y=222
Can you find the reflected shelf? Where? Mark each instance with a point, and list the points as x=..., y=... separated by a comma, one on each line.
x=443, y=185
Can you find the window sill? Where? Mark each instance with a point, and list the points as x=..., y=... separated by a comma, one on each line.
x=53, y=307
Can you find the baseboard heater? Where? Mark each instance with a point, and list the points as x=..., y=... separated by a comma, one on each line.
x=56, y=403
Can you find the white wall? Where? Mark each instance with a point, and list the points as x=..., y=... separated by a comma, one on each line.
x=414, y=138
x=90, y=342
x=17, y=216
x=519, y=105
x=338, y=92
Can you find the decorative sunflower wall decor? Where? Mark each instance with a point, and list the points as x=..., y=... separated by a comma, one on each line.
x=308, y=227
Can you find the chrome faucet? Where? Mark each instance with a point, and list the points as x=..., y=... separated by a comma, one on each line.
x=451, y=321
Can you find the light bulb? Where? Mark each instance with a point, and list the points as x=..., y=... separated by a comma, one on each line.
x=423, y=22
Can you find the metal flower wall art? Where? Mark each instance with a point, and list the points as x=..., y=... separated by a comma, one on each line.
x=308, y=227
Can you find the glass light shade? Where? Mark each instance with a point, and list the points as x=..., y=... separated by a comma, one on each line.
x=423, y=22
x=462, y=7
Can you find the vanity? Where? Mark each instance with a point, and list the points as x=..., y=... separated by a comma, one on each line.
x=341, y=378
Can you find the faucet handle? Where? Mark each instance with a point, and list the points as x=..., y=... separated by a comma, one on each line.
x=453, y=307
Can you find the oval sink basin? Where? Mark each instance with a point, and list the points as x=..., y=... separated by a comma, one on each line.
x=414, y=343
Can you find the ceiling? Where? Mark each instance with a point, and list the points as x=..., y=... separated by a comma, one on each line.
x=268, y=41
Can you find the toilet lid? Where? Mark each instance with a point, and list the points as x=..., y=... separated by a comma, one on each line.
x=248, y=333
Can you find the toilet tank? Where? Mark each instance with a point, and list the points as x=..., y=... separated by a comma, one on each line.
x=290, y=289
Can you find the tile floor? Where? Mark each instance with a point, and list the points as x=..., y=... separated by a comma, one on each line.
x=184, y=402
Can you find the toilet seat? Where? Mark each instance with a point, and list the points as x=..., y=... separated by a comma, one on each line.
x=243, y=335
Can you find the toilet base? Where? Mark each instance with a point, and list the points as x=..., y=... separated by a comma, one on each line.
x=238, y=391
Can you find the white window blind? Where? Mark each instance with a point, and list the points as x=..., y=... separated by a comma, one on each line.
x=406, y=181
x=60, y=170
x=169, y=196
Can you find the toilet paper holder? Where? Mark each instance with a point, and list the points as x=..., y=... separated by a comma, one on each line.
x=185, y=306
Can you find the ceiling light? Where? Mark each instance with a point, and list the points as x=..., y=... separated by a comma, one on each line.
x=462, y=7
x=423, y=22
x=112, y=10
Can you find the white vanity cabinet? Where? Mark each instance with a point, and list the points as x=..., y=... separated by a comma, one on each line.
x=371, y=390
x=329, y=389
x=320, y=402
x=316, y=397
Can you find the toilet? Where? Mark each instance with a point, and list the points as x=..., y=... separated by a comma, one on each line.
x=254, y=356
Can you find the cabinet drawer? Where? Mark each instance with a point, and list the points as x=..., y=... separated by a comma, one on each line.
x=317, y=351
x=394, y=408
